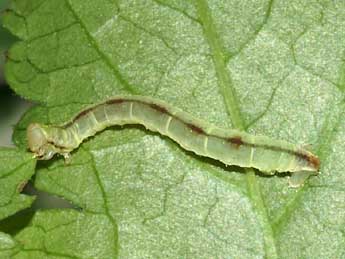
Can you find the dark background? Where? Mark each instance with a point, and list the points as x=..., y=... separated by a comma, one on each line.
x=12, y=107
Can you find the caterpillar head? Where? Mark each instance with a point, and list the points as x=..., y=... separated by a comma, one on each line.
x=38, y=142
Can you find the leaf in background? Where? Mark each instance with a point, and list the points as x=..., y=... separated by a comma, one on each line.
x=6, y=39
x=16, y=168
x=271, y=67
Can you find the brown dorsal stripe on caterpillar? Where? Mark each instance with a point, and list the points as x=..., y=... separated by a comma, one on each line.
x=196, y=129
x=236, y=140
x=230, y=146
x=159, y=108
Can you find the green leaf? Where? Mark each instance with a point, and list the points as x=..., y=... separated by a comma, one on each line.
x=6, y=39
x=16, y=168
x=270, y=67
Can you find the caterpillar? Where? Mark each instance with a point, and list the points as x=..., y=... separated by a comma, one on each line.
x=230, y=146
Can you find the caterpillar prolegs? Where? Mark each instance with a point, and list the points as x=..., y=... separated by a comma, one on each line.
x=230, y=146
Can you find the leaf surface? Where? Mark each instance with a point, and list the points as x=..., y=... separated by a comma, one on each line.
x=16, y=168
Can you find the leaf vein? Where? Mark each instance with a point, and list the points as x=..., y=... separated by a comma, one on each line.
x=105, y=198
x=152, y=34
x=255, y=33
x=103, y=56
x=228, y=93
x=177, y=10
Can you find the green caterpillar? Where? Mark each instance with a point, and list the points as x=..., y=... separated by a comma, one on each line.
x=232, y=147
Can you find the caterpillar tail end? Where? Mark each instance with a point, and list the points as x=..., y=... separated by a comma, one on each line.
x=297, y=179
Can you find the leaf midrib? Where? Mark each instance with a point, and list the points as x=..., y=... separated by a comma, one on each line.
x=228, y=92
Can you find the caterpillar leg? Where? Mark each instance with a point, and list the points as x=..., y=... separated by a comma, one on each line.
x=297, y=179
x=67, y=157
